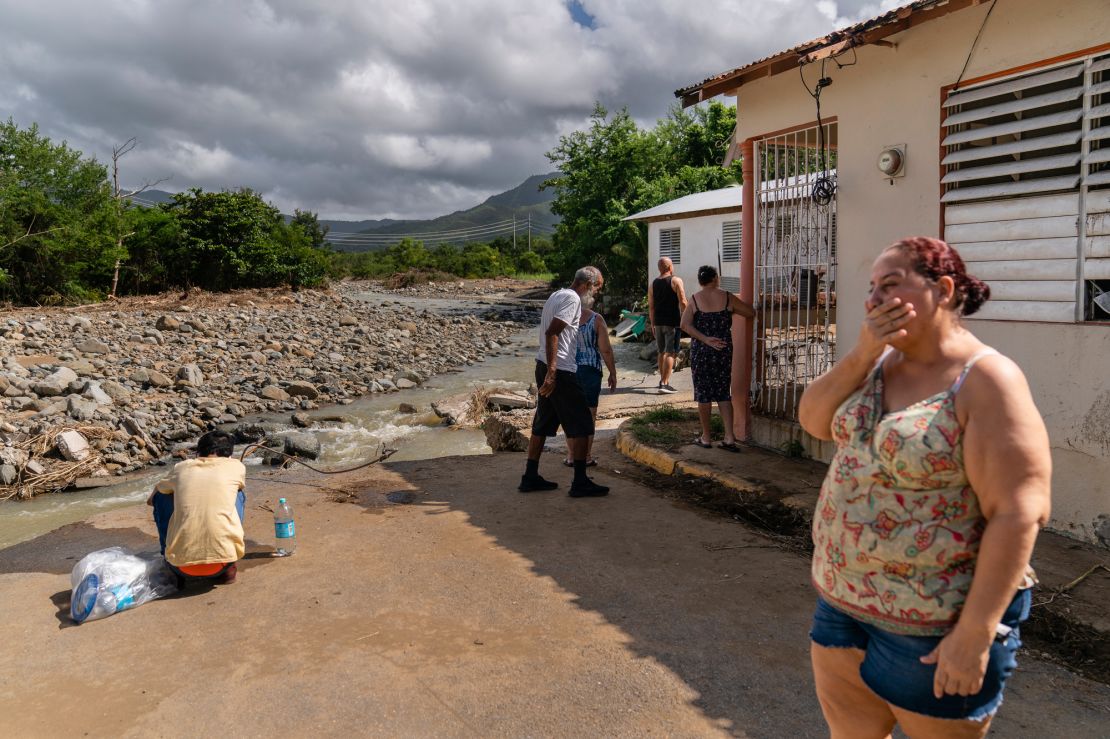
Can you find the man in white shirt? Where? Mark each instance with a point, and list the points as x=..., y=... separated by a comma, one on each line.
x=561, y=400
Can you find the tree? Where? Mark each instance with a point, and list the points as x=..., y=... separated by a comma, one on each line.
x=309, y=224
x=613, y=169
x=235, y=239
x=56, y=220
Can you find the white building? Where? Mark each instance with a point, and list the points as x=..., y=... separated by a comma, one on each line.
x=695, y=230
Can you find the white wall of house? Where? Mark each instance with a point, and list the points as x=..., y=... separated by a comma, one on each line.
x=893, y=96
x=700, y=237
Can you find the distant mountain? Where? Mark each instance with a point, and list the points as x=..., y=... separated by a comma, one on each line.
x=523, y=202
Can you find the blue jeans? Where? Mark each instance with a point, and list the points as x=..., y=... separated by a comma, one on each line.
x=163, y=511
x=892, y=666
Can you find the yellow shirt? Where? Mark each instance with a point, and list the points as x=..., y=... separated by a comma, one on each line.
x=205, y=527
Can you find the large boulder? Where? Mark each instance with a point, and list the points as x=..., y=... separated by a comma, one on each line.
x=56, y=383
x=509, y=401
x=191, y=374
x=273, y=392
x=81, y=410
x=302, y=389
x=73, y=446
x=455, y=409
x=93, y=346
x=509, y=431
x=302, y=444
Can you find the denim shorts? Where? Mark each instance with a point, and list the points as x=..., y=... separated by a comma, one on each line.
x=892, y=668
x=590, y=380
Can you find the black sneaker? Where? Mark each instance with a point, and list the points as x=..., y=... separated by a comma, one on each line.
x=534, y=484
x=667, y=389
x=588, y=489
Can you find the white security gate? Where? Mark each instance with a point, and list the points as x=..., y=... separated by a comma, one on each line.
x=795, y=266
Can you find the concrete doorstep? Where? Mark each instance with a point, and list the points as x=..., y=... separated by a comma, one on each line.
x=1070, y=620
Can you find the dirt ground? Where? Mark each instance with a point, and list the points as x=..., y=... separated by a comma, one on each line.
x=464, y=609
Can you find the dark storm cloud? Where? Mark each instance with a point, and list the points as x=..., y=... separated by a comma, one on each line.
x=366, y=109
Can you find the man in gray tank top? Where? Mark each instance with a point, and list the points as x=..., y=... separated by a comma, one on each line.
x=666, y=302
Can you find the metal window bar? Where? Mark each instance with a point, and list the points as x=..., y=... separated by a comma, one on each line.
x=795, y=270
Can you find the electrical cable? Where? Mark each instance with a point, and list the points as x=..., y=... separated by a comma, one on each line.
x=250, y=449
x=974, y=44
x=824, y=187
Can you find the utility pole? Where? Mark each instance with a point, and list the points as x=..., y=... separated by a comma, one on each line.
x=529, y=232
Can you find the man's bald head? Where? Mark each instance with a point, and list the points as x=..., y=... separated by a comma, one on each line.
x=665, y=265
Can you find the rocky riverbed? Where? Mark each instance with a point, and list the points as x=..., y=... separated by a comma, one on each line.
x=136, y=379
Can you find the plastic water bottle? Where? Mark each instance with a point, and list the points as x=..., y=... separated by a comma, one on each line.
x=284, y=529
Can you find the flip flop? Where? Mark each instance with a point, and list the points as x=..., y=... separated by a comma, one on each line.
x=729, y=446
x=568, y=463
x=697, y=441
x=591, y=462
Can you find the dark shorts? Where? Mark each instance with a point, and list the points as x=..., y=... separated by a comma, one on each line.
x=590, y=380
x=666, y=339
x=565, y=407
x=893, y=670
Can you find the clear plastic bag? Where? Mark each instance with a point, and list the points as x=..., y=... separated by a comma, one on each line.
x=114, y=579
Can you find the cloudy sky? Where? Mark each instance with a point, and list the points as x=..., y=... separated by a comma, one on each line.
x=368, y=108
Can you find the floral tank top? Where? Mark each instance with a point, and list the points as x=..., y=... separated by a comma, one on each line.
x=897, y=527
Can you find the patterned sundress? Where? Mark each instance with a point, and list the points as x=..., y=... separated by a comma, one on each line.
x=712, y=368
x=897, y=528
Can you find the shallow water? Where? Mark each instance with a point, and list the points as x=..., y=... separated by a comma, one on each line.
x=415, y=436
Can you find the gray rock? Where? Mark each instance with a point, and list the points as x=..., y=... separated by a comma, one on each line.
x=455, y=409
x=302, y=389
x=301, y=420
x=509, y=401
x=94, y=392
x=8, y=474
x=302, y=444
x=167, y=323
x=404, y=383
x=93, y=346
x=251, y=432
x=114, y=390
x=273, y=392
x=73, y=446
x=157, y=379
x=414, y=377
x=56, y=383
x=191, y=374
x=81, y=410
x=407, y=408
x=13, y=456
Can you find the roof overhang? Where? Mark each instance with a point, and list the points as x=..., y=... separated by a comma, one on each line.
x=873, y=31
x=687, y=214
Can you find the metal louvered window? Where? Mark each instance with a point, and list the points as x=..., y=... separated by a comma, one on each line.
x=670, y=244
x=730, y=241
x=1027, y=190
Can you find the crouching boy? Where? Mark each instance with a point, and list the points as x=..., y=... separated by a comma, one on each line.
x=199, y=512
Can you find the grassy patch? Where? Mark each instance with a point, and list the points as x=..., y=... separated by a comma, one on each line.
x=665, y=426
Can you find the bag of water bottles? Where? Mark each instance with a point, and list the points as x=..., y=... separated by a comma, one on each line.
x=114, y=579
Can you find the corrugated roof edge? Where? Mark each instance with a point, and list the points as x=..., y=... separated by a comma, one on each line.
x=889, y=23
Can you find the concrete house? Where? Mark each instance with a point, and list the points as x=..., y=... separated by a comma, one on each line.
x=703, y=228
x=986, y=123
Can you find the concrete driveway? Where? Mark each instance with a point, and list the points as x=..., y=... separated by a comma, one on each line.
x=467, y=609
